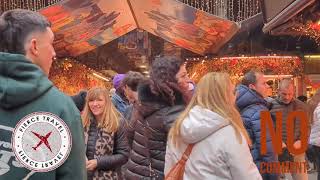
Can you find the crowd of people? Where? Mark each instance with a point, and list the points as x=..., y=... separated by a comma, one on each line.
x=145, y=127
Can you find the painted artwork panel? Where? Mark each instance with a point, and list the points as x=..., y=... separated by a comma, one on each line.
x=178, y=23
x=83, y=25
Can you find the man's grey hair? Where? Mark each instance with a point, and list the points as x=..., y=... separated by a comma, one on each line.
x=250, y=77
x=285, y=83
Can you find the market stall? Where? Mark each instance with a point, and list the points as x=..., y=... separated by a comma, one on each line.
x=274, y=67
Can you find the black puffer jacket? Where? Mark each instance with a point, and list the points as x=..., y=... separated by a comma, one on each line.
x=120, y=149
x=148, y=132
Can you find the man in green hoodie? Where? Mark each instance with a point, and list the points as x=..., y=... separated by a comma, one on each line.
x=26, y=55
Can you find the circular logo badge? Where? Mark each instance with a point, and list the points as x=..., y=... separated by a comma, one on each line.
x=41, y=141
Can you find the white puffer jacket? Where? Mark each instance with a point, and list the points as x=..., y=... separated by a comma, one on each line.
x=315, y=128
x=217, y=154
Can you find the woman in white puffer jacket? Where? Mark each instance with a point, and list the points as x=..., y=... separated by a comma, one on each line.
x=315, y=128
x=314, y=138
x=212, y=123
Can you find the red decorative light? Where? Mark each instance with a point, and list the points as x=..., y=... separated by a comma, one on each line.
x=236, y=66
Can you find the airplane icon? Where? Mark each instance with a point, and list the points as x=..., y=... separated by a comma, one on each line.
x=43, y=139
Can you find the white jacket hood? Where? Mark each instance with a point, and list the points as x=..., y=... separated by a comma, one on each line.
x=200, y=123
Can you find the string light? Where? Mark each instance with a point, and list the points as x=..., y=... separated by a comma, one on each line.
x=274, y=56
x=70, y=76
x=223, y=8
x=311, y=30
x=26, y=4
x=236, y=66
x=234, y=10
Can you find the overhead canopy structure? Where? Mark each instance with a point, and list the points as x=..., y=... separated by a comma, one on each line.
x=290, y=17
x=201, y=26
x=278, y=12
x=81, y=26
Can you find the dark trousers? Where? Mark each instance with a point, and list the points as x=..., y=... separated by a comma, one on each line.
x=270, y=176
x=313, y=155
x=317, y=149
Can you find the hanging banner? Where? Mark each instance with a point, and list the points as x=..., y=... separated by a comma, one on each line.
x=83, y=25
x=183, y=25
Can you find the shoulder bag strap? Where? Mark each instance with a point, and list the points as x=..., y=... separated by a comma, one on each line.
x=187, y=152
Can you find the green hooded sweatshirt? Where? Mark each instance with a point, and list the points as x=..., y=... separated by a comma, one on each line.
x=25, y=89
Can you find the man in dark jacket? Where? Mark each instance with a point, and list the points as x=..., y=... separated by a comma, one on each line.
x=26, y=55
x=286, y=103
x=118, y=97
x=130, y=87
x=250, y=101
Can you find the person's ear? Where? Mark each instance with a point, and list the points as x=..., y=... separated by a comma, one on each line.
x=33, y=48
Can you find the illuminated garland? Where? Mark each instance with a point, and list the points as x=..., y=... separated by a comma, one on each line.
x=314, y=85
x=26, y=4
x=70, y=77
x=234, y=10
x=311, y=30
x=237, y=66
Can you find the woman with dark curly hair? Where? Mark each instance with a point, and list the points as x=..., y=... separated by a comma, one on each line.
x=161, y=99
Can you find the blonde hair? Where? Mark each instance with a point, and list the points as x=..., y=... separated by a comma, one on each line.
x=110, y=116
x=213, y=93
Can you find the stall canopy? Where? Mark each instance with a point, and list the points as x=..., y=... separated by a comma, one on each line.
x=285, y=17
x=81, y=26
x=201, y=26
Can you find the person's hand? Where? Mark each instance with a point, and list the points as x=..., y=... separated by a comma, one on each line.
x=297, y=144
x=91, y=164
x=283, y=145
